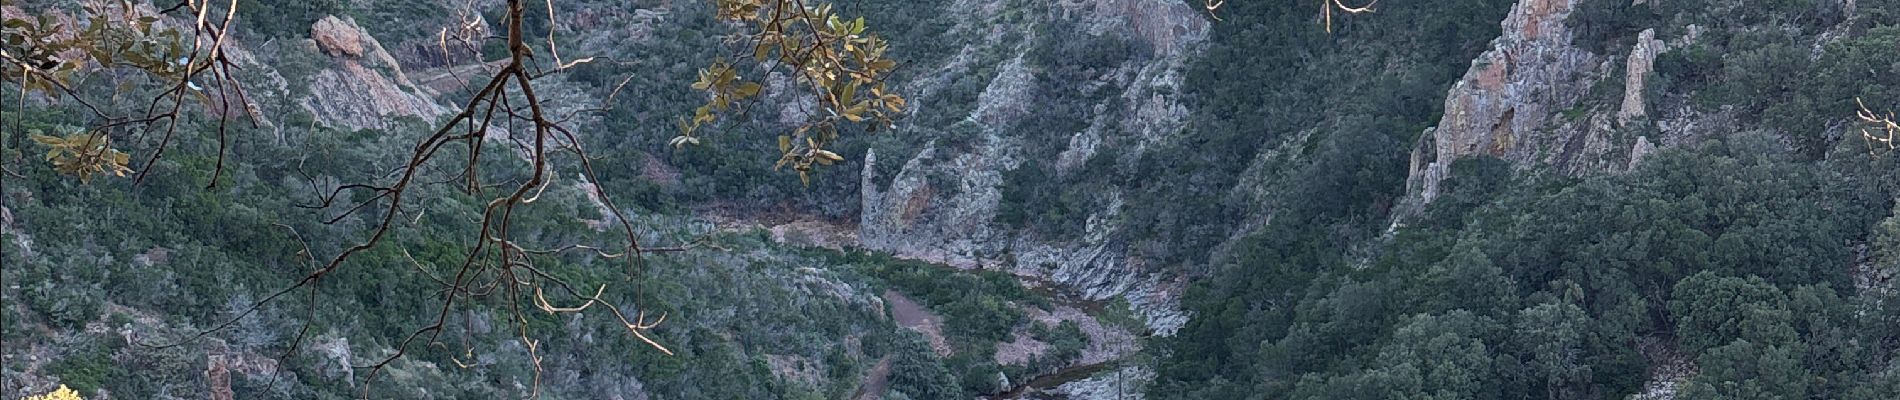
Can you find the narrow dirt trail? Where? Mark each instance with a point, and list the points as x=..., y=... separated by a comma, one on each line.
x=914, y=316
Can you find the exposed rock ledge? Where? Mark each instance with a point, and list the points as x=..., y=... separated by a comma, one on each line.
x=1507, y=104
x=1642, y=61
x=363, y=87
x=1509, y=92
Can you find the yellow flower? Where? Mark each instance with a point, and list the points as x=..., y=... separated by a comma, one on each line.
x=63, y=393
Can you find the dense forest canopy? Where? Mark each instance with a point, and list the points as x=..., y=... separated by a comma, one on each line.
x=1746, y=256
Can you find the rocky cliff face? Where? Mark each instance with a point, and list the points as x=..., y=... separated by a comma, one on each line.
x=941, y=205
x=1531, y=100
x=1540, y=101
x=1642, y=61
x=356, y=84
x=1509, y=94
x=362, y=86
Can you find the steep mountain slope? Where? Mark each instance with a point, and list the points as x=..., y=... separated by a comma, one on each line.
x=1597, y=184
x=1085, y=80
x=338, y=99
x=1456, y=199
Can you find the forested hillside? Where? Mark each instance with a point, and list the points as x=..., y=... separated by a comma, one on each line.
x=1082, y=199
x=1560, y=254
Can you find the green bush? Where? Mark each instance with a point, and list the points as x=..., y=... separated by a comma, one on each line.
x=84, y=370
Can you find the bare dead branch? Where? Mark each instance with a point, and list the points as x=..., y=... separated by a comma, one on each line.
x=1881, y=129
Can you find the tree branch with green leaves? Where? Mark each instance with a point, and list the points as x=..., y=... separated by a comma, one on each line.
x=53, y=58
x=839, y=62
x=835, y=61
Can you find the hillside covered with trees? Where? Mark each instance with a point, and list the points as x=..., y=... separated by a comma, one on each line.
x=950, y=199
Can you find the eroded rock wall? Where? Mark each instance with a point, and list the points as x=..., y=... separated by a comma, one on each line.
x=941, y=205
x=362, y=86
x=1531, y=71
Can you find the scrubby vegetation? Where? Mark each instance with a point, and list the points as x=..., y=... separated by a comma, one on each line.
x=1754, y=252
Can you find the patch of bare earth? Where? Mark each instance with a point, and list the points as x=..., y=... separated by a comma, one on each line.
x=914, y=316
x=815, y=233
x=876, y=381
x=788, y=228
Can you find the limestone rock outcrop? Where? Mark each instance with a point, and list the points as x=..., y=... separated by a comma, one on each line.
x=1531, y=71
x=1641, y=150
x=361, y=87
x=338, y=38
x=1642, y=62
